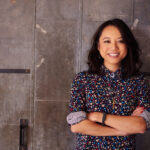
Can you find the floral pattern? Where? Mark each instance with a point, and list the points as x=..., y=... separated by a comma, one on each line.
x=112, y=94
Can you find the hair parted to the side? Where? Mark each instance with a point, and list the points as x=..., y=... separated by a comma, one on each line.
x=130, y=64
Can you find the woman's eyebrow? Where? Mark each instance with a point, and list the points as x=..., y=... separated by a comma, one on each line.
x=109, y=38
x=120, y=37
x=106, y=38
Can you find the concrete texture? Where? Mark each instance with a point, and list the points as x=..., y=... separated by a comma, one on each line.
x=16, y=38
x=9, y=135
x=101, y=10
x=52, y=39
x=51, y=130
x=16, y=52
x=55, y=50
x=15, y=98
x=141, y=11
x=58, y=10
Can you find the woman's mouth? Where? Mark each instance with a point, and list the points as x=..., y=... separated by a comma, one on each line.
x=113, y=54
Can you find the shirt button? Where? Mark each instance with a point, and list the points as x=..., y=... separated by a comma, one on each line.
x=112, y=75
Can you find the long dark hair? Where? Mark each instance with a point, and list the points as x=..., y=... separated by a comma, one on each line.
x=130, y=64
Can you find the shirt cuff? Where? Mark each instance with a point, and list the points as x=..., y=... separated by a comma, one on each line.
x=76, y=117
x=146, y=116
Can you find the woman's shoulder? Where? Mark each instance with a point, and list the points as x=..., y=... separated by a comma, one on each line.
x=141, y=78
x=84, y=75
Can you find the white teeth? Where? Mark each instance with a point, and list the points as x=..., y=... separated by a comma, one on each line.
x=113, y=54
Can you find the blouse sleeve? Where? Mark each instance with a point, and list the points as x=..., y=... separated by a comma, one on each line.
x=144, y=93
x=78, y=97
x=144, y=99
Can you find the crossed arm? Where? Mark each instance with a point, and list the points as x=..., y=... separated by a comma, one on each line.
x=116, y=125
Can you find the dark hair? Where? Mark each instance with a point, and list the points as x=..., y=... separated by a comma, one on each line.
x=131, y=63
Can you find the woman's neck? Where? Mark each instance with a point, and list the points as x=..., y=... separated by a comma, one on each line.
x=112, y=68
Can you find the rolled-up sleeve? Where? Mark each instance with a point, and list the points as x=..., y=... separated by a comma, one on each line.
x=146, y=116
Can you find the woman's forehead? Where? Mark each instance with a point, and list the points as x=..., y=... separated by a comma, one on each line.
x=109, y=32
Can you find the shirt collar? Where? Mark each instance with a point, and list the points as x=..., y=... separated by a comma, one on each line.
x=114, y=75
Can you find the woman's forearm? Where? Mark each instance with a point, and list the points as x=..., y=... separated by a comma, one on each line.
x=91, y=128
x=128, y=124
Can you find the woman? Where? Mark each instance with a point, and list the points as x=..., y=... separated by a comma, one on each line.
x=110, y=102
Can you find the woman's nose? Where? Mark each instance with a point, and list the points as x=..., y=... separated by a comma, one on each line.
x=114, y=46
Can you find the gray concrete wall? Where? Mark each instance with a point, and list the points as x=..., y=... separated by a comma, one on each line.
x=16, y=52
x=52, y=38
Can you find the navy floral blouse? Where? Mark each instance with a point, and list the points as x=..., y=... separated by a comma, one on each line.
x=110, y=94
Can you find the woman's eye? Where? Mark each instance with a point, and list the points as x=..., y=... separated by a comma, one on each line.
x=107, y=41
x=121, y=41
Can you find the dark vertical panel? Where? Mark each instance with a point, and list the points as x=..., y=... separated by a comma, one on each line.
x=143, y=141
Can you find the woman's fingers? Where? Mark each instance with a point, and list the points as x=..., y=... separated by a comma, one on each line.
x=138, y=111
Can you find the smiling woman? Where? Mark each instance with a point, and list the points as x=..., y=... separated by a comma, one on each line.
x=110, y=102
x=112, y=48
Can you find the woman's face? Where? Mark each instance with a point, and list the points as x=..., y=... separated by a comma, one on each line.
x=112, y=47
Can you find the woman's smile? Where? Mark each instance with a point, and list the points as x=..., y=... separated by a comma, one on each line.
x=113, y=55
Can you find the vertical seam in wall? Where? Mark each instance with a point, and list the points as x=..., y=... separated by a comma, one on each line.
x=79, y=50
x=34, y=76
x=81, y=25
x=81, y=31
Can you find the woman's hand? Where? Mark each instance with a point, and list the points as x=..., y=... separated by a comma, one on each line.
x=138, y=111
